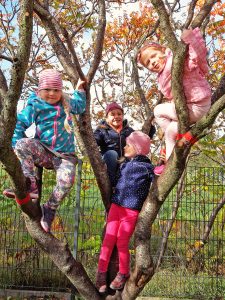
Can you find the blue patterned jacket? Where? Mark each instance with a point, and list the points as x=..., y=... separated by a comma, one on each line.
x=49, y=120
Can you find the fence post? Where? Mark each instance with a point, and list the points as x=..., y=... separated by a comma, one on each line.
x=77, y=207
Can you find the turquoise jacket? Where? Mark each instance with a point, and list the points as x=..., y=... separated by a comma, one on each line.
x=49, y=120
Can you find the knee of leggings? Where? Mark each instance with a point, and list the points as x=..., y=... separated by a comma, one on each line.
x=109, y=240
x=21, y=144
x=122, y=243
x=171, y=131
x=157, y=111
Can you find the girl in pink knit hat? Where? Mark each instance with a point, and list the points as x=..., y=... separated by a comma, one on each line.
x=158, y=59
x=135, y=177
x=53, y=144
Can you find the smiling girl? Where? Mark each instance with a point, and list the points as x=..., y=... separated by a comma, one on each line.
x=158, y=59
x=53, y=144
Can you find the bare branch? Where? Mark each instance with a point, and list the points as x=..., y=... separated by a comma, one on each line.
x=10, y=59
x=61, y=255
x=220, y=91
x=20, y=62
x=165, y=24
x=204, y=12
x=191, y=11
x=99, y=40
x=57, y=44
x=3, y=84
x=209, y=118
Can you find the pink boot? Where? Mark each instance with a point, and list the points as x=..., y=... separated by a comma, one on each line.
x=159, y=169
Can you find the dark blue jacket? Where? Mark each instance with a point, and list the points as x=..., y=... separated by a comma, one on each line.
x=134, y=179
x=108, y=139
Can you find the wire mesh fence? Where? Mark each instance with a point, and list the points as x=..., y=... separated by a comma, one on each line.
x=190, y=262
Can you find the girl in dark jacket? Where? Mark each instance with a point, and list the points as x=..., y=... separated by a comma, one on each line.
x=111, y=137
x=135, y=177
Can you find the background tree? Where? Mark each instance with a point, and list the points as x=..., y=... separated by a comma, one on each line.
x=72, y=36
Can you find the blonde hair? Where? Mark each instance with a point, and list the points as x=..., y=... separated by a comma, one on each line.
x=67, y=111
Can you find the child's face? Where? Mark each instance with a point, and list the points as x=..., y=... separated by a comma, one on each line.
x=153, y=59
x=52, y=96
x=115, y=118
x=129, y=151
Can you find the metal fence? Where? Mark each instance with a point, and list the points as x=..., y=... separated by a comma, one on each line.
x=190, y=264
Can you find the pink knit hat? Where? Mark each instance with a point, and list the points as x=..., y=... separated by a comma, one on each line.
x=140, y=141
x=112, y=106
x=50, y=79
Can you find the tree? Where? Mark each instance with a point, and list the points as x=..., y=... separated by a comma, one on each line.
x=64, y=23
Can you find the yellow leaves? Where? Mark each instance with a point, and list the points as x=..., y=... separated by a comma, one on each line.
x=193, y=249
x=127, y=30
x=198, y=244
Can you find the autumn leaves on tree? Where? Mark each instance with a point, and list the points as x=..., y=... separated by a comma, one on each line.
x=86, y=41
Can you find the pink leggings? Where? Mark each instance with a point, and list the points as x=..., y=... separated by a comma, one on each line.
x=166, y=118
x=120, y=226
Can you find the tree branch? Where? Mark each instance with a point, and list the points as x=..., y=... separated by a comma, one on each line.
x=3, y=84
x=165, y=24
x=220, y=91
x=99, y=40
x=8, y=113
x=62, y=257
x=204, y=12
x=191, y=11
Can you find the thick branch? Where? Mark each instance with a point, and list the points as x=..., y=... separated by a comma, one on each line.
x=179, y=51
x=204, y=12
x=60, y=254
x=165, y=24
x=209, y=118
x=20, y=62
x=177, y=87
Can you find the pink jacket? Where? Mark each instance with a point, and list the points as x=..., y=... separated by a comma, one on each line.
x=196, y=88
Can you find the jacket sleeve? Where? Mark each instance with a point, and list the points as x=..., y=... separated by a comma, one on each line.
x=24, y=120
x=99, y=137
x=78, y=102
x=197, y=51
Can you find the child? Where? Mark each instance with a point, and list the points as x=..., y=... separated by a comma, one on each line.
x=135, y=176
x=157, y=58
x=53, y=145
x=111, y=137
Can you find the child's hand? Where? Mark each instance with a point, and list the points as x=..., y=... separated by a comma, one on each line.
x=185, y=34
x=81, y=85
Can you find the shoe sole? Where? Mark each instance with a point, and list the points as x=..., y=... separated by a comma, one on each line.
x=102, y=291
x=116, y=288
x=157, y=174
x=12, y=195
x=42, y=222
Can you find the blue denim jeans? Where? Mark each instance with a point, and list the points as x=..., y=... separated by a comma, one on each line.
x=110, y=158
